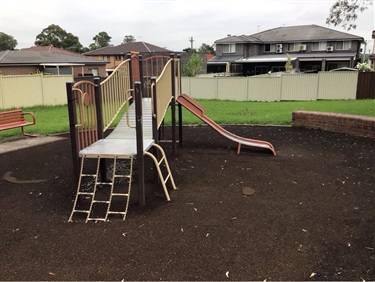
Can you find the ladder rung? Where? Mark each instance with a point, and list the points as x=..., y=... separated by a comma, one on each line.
x=115, y=212
x=122, y=175
x=92, y=175
x=161, y=160
x=103, y=202
x=97, y=219
x=166, y=179
x=81, y=211
x=104, y=183
x=120, y=194
x=86, y=193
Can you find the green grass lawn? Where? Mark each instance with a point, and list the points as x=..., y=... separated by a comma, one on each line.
x=51, y=120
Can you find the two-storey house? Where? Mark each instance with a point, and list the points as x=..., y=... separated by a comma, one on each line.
x=114, y=55
x=311, y=48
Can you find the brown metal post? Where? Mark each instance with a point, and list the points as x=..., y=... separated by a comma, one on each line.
x=173, y=106
x=129, y=57
x=155, y=134
x=99, y=125
x=72, y=127
x=141, y=74
x=179, y=105
x=139, y=135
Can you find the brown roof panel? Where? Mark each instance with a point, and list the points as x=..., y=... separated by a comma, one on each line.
x=141, y=47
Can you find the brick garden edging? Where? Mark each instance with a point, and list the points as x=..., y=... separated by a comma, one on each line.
x=344, y=123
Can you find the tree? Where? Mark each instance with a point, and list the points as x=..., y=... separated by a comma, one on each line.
x=206, y=49
x=7, y=42
x=102, y=39
x=189, y=50
x=345, y=12
x=55, y=36
x=128, y=38
x=193, y=66
x=288, y=64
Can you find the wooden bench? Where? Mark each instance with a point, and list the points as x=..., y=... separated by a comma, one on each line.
x=15, y=118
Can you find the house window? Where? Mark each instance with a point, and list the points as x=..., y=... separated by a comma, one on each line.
x=319, y=46
x=229, y=48
x=269, y=47
x=118, y=57
x=294, y=46
x=343, y=45
x=105, y=58
x=95, y=72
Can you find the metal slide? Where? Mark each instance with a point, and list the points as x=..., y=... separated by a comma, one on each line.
x=198, y=110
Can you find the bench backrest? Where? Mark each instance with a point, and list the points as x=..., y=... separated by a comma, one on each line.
x=12, y=116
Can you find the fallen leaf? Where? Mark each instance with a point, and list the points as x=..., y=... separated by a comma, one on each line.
x=227, y=274
x=51, y=273
x=312, y=274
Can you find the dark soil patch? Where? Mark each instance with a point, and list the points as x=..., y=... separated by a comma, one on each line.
x=311, y=216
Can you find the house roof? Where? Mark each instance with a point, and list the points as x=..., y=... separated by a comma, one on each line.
x=300, y=33
x=141, y=47
x=25, y=57
x=49, y=49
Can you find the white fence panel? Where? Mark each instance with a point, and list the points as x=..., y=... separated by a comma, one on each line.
x=296, y=87
x=21, y=91
x=337, y=85
x=265, y=89
x=232, y=88
x=203, y=88
x=33, y=90
x=54, y=89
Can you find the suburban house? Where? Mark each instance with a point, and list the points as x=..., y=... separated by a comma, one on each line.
x=372, y=55
x=49, y=60
x=114, y=55
x=310, y=48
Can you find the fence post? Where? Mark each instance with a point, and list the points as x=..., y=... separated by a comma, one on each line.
x=99, y=125
x=139, y=136
x=180, y=138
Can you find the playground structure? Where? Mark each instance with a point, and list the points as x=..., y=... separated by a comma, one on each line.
x=146, y=88
x=92, y=109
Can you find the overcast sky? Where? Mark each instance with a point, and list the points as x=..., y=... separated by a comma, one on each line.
x=166, y=23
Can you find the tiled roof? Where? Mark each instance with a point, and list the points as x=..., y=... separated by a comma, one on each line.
x=300, y=33
x=24, y=57
x=141, y=47
x=49, y=49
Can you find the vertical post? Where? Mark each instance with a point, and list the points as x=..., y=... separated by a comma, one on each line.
x=99, y=124
x=129, y=57
x=139, y=135
x=141, y=74
x=179, y=105
x=155, y=110
x=72, y=127
x=154, y=113
x=173, y=106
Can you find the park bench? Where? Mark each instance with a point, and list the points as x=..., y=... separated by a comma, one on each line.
x=15, y=118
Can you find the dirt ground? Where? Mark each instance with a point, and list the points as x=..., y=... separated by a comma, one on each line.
x=311, y=216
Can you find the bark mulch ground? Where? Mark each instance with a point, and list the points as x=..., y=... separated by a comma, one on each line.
x=311, y=216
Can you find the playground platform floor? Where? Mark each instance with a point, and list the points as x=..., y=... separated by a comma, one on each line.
x=311, y=216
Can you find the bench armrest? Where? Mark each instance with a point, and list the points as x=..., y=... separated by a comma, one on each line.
x=30, y=114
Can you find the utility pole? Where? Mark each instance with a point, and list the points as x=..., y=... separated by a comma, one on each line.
x=191, y=43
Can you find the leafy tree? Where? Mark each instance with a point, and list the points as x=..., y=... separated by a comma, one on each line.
x=128, y=38
x=102, y=39
x=55, y=36
x=345, y=12
x=206, y=49
x=7, y=42
x=364, y=67
x=189, y=50
x=288, y=64
x=193, y=66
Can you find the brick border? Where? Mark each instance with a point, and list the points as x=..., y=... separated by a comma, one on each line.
x=343, y=123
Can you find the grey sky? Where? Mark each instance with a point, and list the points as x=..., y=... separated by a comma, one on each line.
x=166, y=23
